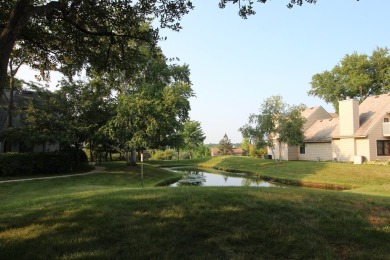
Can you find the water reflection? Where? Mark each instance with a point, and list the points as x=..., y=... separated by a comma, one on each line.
x=202, y=178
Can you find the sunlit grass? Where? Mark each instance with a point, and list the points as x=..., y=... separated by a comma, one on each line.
x=109, y=215
x=370, y=179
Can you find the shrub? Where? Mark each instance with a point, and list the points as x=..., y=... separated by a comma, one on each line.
x=162, y=155
x=40, y=163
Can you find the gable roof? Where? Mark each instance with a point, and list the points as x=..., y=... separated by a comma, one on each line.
x=371, y=111
x=312, y=114
x=309, y=111
x=322, y=131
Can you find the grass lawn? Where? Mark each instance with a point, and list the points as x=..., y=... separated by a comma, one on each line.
x=367, y=179
x=109, y=215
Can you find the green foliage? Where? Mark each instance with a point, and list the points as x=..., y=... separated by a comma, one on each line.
x=356, y=76
x=35, y=163
x=151, y=112
x=162, y=154
x=258, y=152
x=190, y=138
x=202, y=151
x=42, y=163
x=225, y=146
x=276, y=122
x=246, y=8
x=63, y=35
x=192, y=134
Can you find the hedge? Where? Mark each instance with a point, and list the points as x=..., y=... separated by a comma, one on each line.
x=38, y=163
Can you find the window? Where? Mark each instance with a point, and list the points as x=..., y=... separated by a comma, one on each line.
x=302, y=149
x=383, y=147
x=385, y=120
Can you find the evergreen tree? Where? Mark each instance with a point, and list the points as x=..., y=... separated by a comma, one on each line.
x=225, y=146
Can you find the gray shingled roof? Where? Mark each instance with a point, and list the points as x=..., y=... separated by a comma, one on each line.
x=372, y=110
x=322, y=131
x=309, y=111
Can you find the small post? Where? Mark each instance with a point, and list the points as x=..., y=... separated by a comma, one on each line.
x=142, y=168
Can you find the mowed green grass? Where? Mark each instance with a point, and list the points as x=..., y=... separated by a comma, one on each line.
x=108, y=215
x=364, y=179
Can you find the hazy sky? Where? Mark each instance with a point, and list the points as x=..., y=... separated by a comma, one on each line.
x=236, y=64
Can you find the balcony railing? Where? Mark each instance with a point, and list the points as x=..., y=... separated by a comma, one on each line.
x=386, y=129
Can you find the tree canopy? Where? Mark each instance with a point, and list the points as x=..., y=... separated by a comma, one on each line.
x=225, y=146
x=246, y=7
x=70, y=35
x=152, y=107
x=192, y=136
x=277, y=122
x=356, y=76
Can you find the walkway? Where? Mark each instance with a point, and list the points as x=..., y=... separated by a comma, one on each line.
x=97, y=169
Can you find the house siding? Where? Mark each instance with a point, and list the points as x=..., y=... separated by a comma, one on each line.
x=363, y=148
x=348, y=149
x=293, y=153
x=317, y=151
x=376, y=134
x=336, y=149
x=284, y=151
x=354, y=133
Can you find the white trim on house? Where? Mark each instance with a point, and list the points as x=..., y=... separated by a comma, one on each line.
x=355, y=134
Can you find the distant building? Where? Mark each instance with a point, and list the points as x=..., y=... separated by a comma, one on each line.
x=358, y=133
x=237, y=151
x=20, y=102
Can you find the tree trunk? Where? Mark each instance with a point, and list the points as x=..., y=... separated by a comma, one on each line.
x=280, y=150
x=91, y=157
x=273, y=154
x=20, y=15
x=11, y=104
x=133, y=157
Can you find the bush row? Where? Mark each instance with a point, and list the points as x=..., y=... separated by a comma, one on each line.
x=40, y=163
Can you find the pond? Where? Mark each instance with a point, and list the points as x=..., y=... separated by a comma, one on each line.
x=201, y=177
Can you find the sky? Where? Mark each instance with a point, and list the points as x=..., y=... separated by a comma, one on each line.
x=236, y=64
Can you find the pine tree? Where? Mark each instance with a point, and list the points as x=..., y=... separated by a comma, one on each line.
x=225, y=146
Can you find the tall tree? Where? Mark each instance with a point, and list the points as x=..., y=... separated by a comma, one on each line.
x=225, y=146
x=356, y=76
x=151, y=107
x=193, y=136
x=71, y=115
x=64, y=34
x=277, y=122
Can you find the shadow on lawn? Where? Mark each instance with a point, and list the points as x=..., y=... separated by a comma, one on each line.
x=195, y=223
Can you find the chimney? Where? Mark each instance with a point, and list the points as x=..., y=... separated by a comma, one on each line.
x=348, y=116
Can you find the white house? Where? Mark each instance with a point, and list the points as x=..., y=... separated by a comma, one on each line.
x=358, y=133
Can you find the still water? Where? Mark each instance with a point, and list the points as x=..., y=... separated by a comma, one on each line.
x=200, y=177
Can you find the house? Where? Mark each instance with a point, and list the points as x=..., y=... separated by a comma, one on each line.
x=20, y=103
x=237, y=151
x=359, y=133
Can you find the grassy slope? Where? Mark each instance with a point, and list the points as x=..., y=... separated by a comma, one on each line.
x=108, y=215
x=367, y=179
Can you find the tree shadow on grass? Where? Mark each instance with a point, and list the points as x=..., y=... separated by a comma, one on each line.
x=199, y=223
